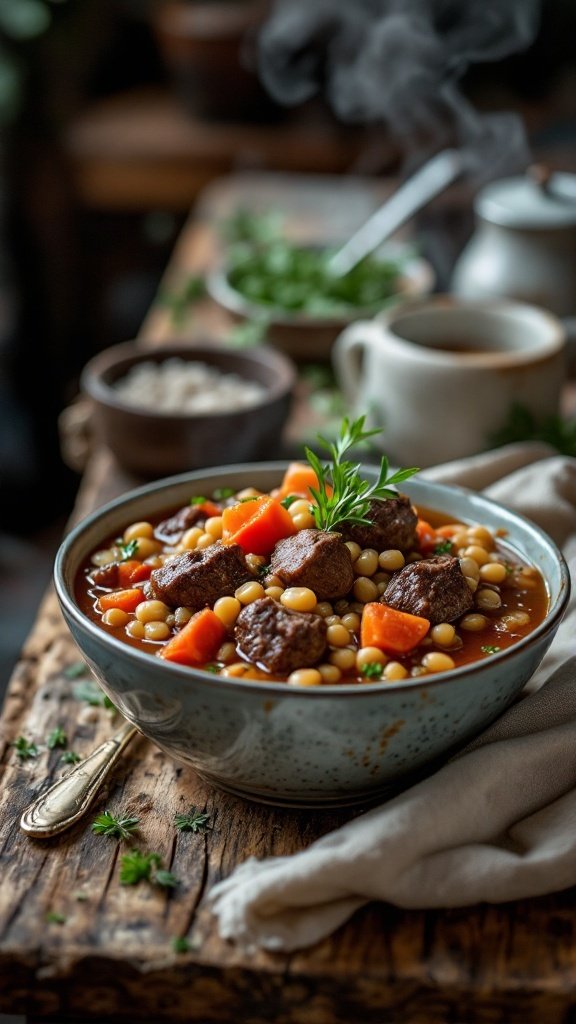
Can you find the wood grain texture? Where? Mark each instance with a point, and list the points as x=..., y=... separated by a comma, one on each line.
x=112, y=956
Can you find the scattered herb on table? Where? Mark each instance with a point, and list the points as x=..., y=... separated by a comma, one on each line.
x=342, y=495
x=57, y=738
x=76, y=669
x=90, y=693
x=53, y=917
x=138, y=867
x=70, y=757
x=194, y=821
x=180, y=944
x=25, y=749
x=108, y=824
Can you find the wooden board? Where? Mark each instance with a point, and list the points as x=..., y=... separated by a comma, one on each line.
x=112, y=958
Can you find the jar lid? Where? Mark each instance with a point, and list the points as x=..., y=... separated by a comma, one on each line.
x=522, y=203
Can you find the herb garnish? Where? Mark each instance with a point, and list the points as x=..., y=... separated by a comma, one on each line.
x=198, y=499
x=489, y=649
x=76, y=669
x=128, y=550
x=342, y=495
x=91, y=694
x=289, y=500
x=194, y=821
x=25, y=749
x=372, y=670
x=108, y=824
x=444, y=547
x=57, y=738
x=53, y=917
x=221, y=493
x=166, y=879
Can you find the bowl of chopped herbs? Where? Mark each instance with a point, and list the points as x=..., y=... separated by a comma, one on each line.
x=289, y=288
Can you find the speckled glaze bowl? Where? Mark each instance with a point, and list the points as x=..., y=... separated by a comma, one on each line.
x=325, y=746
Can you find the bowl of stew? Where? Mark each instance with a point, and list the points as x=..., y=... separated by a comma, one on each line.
x=303, y=667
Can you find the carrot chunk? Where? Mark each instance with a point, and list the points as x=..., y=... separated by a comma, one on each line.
x=198, y=641
x=132, y=572
x=256, y=524
x=392, y=631
x=127, y=600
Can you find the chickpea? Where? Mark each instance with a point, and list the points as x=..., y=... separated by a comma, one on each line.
x=472, y=583
x=435, y=661
x=514, y=619
x=135, y=629
x=305, y=677
x=480, y=535
x=205, y=541
x=344, y=658
x=473, y=623
x=103, y=557
x=138, y=530
x=274, y=592
x=443, y=634
x=213, y=526
x=191, y=537
x=488, y=600
x=480, y=555
x=226, y=653
x=338, y=635
x=274, y=581
x=330, y=674
x=182, y=615
x=352, y=621
x=365, y=590
x=156, y=630
x=254, y=562
x=152, y=611
x=249, y=592
x=493, y=572
x=324, y=608
x=299, y=599
x=333, y=620
x=367, y=562
x=354, y=549
x=394, y=671
x=237, y=670
x=470, y=567
x=227, y=609
x=391, y=560
x=299, y=507
x=115, y=617
x=341, y=606
x=304, y=521
x=248, y=492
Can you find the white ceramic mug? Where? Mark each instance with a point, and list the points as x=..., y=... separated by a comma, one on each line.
x=441, y=376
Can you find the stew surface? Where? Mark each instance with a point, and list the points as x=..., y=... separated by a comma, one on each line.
x=245, y=586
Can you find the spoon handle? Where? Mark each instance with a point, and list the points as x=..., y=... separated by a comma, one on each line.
x=69, y=798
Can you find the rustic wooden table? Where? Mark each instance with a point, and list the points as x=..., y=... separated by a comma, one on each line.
x=75, y=945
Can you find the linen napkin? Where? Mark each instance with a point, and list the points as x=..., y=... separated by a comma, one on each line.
x=497, y=822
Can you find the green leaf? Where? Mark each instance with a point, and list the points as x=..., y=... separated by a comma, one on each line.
x=194, y=821
x=137, y=867
x=221, y=493
x=57, y=738
x=53, y=917
x=180, y=944
x=128, y=550
x=90, y=693
x=198, y=499
x=76, y=669
x=372, y=670
x=166, y=879
x=490, y=649
x=107, y=824
x=70, y=757
x=25, y=749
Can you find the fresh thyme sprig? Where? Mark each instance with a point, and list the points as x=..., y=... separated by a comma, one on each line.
x=342, y=495
x=194, y=821
x=108, y=824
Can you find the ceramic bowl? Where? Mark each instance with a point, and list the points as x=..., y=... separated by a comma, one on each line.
x=302, y=335
x=149, y=443
x=325, y=746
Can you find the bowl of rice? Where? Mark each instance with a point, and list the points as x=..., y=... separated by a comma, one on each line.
x=187, y=406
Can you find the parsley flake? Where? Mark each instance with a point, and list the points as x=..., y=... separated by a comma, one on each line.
x=289, y=500
x=443, y=548
x=108, y=824
x=372, y=670
x=25, y=749
x=489, y=649
x=180, y=944
x=128, y=550
x=199, y=499
x=137, y=867
x=53, y=917
x=194, y=821
x=70, y=757
x=166, y=879
x=90, y=693
x=221, y=493
x=57, y=738
x=76, y=669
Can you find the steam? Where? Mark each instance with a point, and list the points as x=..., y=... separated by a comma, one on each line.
x=399, y=62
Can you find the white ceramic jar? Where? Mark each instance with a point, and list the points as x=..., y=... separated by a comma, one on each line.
x=524, y=246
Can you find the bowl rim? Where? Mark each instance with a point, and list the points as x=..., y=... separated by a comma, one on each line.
x=131, y=352
x=551, y=620
x=223, y=292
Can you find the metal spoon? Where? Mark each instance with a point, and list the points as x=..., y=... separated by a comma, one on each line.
x=428, y=181
x=69, y=798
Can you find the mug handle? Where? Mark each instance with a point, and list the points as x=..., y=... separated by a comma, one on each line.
x=347, y=353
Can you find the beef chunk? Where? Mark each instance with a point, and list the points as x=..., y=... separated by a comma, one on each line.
x=393, y=525
x=198, y=578
x=170, y=530
x=315, y=559
x=277, y=638
x=434, y=588
x=105, y=576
